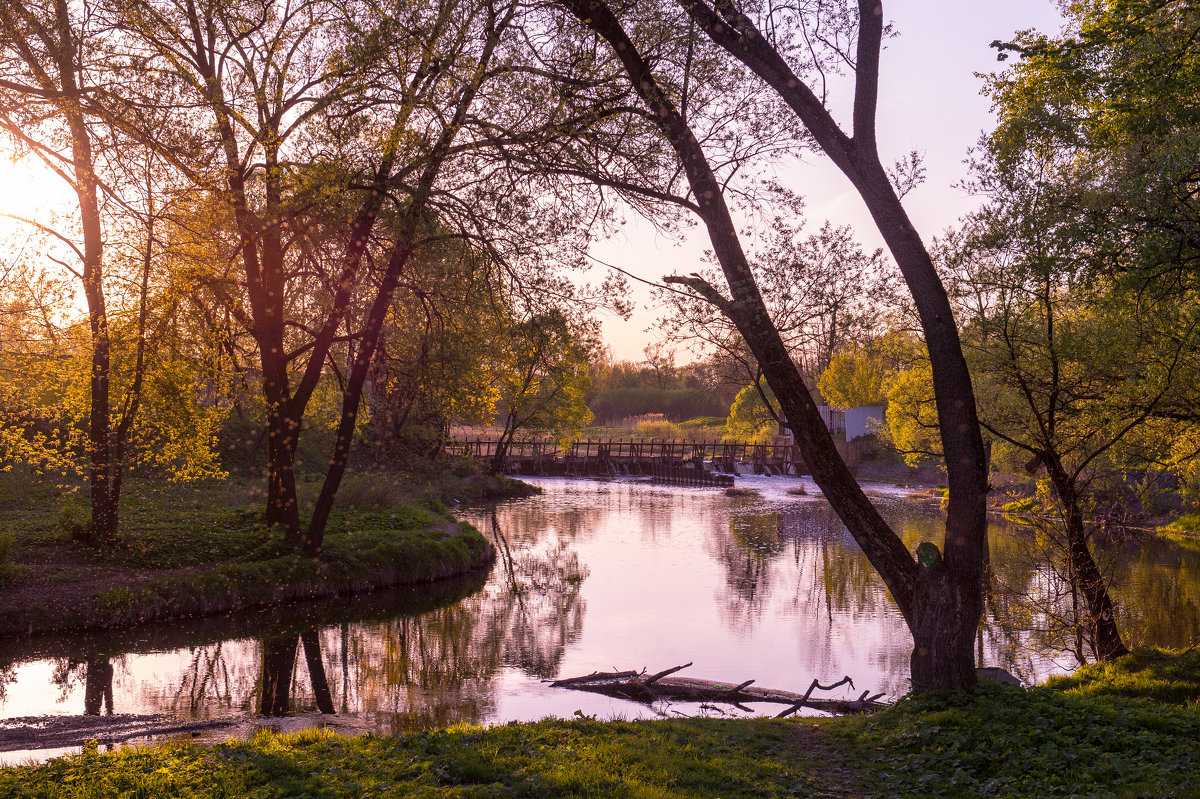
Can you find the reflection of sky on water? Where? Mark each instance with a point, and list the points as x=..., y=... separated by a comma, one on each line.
x=592, y=576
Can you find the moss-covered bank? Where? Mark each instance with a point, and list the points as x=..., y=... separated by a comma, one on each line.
x=1098, y=735
x=201, y=549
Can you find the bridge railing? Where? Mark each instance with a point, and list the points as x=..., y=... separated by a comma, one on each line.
x=633, y=449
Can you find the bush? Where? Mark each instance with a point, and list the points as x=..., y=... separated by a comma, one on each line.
x=74, y=519
x=658, y=429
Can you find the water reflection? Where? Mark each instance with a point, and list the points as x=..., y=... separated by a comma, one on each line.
x=591, y=576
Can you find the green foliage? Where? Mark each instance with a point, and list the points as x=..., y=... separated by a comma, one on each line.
x=749, y=417
x=1004, y=741
x=855, y=377
x=911, y=419
x=550, y=758
x=1187, y=523
x=73, y=518
x=1145, y=673
x=658, y=429
x=1092, y=171
x=542, y=377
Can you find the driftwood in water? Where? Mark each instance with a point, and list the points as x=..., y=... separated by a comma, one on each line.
x=639, y=686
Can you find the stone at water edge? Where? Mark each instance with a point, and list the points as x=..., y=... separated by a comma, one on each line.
x=997, y=674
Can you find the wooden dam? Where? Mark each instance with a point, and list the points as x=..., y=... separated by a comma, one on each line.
x=690, y=463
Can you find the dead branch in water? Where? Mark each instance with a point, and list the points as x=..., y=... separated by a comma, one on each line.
x=638, y=686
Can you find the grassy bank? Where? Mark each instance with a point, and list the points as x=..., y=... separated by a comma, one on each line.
x=199, y=549
x=1101, y=733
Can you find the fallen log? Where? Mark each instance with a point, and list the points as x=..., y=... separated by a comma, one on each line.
x=638, y=686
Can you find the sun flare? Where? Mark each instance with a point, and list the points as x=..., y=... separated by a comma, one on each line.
x=28, y=189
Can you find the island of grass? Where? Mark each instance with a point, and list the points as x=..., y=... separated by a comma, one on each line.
x=1124, y=729
x=197, y=549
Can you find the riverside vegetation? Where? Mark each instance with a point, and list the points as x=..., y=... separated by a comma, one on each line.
x=202, y=548
x=1126, y=728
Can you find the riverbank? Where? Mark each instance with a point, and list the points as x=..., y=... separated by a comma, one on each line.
x=200, y=549
x=1126, y=730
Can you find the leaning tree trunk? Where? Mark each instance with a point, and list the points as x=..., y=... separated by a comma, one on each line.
x=406, y=237
x=941, y=599
x=1085, y=574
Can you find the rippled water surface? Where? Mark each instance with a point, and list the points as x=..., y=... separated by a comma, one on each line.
x=591, y=576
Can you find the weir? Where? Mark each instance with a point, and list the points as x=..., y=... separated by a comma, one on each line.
x=703, y=463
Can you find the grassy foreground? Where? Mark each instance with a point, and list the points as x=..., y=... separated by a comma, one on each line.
x=1097, y=734
x=200, y=549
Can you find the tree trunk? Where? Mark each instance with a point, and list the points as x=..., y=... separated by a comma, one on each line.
x=941, y=601
x=946, y=612
x=1084, y=573
x=103, y=528
x=283, y=506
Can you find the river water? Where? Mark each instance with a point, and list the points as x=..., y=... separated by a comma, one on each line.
x=597, y=576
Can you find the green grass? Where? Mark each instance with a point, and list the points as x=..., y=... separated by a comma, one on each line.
x=1145, y=673
x=1187, y=523
x=1127, y=728
x=202, y=548
x=1001, y=741
x=551, y=758
x=1090, y=736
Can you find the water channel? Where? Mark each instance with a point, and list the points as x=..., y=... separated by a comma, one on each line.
x=592, y=575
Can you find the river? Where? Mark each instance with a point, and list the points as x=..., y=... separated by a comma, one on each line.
x=596, y=575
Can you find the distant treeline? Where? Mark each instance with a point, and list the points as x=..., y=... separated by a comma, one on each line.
x=624, y=389
x=677, y=404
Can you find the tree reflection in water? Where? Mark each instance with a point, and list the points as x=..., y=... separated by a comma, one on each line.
x=95, y=670
x=98, y=686
x=434, y=668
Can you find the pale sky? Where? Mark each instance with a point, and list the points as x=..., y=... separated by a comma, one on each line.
x=929, y=100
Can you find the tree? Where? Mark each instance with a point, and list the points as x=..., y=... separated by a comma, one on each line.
x=1072, y=363
x=1110, y=103
x=940, y=596
x=338, y=135
x=44, y=52
x=542, y=379
x=754, y=412
x=855, y=377
x=823, y=293
x=60, y=60
x=1091, y=176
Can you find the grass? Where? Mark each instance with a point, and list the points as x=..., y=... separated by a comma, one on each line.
x=1187, y=523
x=552, y=758
x=1113, y=731
x=201, y=548
x=1003, y=741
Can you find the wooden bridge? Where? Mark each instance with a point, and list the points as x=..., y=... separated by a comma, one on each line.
x=679, y=462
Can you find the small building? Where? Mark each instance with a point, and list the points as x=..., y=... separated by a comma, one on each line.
x=844, y=425
x=863, y=421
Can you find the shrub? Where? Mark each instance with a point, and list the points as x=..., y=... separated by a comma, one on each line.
x=74, y=519
x=659, y=429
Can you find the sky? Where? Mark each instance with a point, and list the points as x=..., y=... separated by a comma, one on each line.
x=929, y=100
